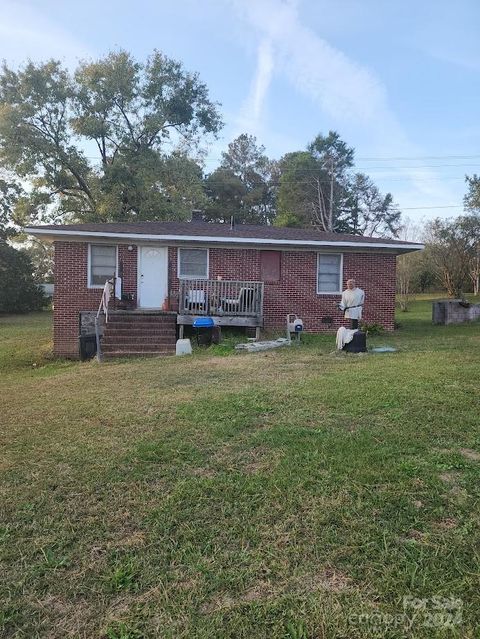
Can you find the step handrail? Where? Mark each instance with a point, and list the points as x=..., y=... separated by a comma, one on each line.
x=108, y=291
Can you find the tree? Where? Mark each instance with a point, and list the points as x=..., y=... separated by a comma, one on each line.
x=317, y=188
x=335, y=159
x=18, y=291
x=472, y=197
x=301, y=199
x=243, y=185
x=405, y=273
x=128, y=112
x=406, y=265
x=41, y=258
x=455, y=249
x=10, y=193
x=472, y=204
x=367, y=211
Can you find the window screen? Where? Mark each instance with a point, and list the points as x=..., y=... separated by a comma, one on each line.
x=329, y=273
x=270, y=266
x=103, y=263
x=192, y=262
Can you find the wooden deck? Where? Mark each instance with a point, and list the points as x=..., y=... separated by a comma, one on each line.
x=228, y=302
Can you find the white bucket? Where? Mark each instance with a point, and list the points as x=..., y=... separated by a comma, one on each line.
x=183, y=347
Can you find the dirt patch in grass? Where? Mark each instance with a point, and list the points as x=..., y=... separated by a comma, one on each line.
x=329, y=579
x=469, y=453
x=134, y=540
x=66, y=617
x=259, y=459
x=232, y=456
x=456, y=492
x=450, y=477
x=449, y=523
x=205, y=473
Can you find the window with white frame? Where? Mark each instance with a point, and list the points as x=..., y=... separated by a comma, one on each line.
x=329, y=273
x=102, y=264
x=192, y=262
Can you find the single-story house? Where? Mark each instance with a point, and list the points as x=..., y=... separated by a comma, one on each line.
x=170, y=272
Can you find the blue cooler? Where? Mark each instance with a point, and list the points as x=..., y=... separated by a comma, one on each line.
x=204, y=330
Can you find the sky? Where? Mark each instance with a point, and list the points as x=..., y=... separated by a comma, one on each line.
x=399, y=80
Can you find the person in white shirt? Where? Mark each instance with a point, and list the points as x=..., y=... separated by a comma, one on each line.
x=352, y=302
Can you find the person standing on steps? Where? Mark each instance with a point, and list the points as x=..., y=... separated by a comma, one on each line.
x=352, y=302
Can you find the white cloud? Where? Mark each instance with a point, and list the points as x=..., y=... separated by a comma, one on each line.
x=252, y=111
x=347, y=94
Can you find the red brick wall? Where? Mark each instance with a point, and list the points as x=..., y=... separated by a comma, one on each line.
x=296, y=290
x=294, y=293
x=72, y=295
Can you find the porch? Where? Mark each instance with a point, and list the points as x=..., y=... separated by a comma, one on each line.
x=228, y=302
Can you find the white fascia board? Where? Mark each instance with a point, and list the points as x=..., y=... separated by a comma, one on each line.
x=126, y=237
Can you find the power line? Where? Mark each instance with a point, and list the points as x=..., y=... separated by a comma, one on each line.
x=418, y=208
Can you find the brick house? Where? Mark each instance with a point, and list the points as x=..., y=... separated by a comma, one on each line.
x=170, y=272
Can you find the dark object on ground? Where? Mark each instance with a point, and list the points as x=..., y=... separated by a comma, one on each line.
x=88, y=346
x=216, y=335
x=204, y=327
x=464, y=303
x=358, y=343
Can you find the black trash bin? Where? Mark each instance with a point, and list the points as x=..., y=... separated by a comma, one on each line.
x=358, y=343
x=87, y=346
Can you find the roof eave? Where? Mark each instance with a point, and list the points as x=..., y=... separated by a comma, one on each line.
x=53, y=234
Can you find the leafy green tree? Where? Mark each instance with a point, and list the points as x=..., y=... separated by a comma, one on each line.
x=41, y=258
x=472, y=197
x=244, y=185
x=301, y=199
x=10, y=193
x=367, y=211
x=317, y=188
x=18, y=291
x=129, y=114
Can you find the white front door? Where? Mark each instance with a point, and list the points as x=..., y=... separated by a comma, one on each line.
x=152, y=276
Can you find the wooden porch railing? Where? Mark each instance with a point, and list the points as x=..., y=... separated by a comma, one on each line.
x=233, y=298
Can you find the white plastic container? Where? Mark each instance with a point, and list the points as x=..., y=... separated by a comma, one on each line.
x=183, y=347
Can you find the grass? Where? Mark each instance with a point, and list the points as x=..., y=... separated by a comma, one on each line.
x=293, y=494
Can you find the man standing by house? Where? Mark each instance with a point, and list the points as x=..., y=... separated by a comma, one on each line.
x=352, y=302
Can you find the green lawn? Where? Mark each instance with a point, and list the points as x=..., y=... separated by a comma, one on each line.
x=294, y=494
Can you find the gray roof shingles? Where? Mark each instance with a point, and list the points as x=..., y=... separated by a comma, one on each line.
x=208, y=229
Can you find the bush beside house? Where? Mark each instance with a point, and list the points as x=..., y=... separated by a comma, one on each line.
x=18, y=291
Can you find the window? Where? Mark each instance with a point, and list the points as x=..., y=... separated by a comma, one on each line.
x=270, y=266
x=102, y=264
x=192, y=263
x=329, y=273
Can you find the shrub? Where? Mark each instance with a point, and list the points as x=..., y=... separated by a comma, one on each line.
x=18, y=291
x=372, y=329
